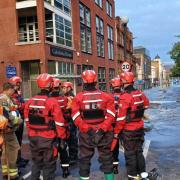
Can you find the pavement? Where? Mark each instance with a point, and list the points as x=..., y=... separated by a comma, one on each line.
x=162, y=145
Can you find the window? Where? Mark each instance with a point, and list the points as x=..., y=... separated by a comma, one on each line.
x=64, y=5
x=49, y=27
x=102, y=78
x=87, y=67
x=110, y=43
x=49, y=1
x=63, y=31
x=65, y=68
x=111, y=73
x=99, y=3
x=52, y=67
x=85, y=29
x=100, y=36
x=109, y=8
x=62, y=68
x=28, y=29
x=79, y=80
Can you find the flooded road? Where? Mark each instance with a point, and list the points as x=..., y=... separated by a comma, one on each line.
x=162, y=147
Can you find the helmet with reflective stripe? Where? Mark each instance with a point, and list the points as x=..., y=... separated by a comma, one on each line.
x=44, y=80
x=89, y=76
x=56, y=83
x=127, y=77
x=14, y=80
x=116, y=82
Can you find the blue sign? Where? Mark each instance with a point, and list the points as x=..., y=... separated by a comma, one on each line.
x=11, y=71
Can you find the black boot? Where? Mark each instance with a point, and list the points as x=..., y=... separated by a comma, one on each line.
x=65, y=171
x=115, y=170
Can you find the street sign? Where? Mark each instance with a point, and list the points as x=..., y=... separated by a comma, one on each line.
x=126, y=67
x=10, y=71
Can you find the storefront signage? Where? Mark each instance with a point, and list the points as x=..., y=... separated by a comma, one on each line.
x=55, y=51
x=11, y=71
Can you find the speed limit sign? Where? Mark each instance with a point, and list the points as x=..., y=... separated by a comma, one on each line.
x=126, y=66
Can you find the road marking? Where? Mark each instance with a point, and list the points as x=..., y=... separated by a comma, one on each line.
x=28, y=174
x=162, y=102
x=146, y=148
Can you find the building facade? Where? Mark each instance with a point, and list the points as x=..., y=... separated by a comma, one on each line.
x=124, y=46
x=161, y=71
x=61, y=37
x=143, y=67
x=94, y=39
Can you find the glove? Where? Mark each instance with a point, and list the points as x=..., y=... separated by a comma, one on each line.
x=98, y=136
x=114, y=143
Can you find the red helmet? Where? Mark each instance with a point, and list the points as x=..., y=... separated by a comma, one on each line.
x=116, y=82
x=89, y=76
x=127, y=77
x=14, y=80
x=56, y=83
x=44, y=80
x=66, y=84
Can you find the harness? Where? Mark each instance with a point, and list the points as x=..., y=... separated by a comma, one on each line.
x=92, y=110
x=39, y=117
x=135, y=112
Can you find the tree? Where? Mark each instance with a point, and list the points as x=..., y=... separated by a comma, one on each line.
x=175, y=55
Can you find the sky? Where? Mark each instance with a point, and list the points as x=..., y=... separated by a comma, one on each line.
x=154, y=24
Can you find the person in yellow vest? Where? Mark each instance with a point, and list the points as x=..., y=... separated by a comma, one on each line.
x=10, y=146
x=3, y=125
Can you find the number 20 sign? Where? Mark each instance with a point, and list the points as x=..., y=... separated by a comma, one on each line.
x=125, y=66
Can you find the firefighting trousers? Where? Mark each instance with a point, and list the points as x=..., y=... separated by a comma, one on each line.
x=87, y=150
x=64, y=157
x=73, y=143
x=116, y=155
x=133, y=142
x=19, y=135
x=9, y=155
x=44, y=156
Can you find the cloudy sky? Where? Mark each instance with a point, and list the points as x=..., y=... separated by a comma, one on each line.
x=154, y=24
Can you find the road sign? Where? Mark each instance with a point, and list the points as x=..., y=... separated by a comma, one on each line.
x=10, y=71
x=126, y=67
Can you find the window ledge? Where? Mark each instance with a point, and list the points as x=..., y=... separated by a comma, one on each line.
x=27, y=43
x=86, y=52
x=59, y=45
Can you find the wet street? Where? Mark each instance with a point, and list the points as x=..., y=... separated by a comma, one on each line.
x=162, y=146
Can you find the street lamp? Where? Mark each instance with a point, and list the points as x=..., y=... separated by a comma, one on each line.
x=125, y=21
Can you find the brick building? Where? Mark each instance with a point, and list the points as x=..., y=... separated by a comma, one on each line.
x=124, y=54
x=61, y=37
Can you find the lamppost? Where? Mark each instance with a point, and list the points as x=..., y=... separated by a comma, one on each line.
x=125, y=21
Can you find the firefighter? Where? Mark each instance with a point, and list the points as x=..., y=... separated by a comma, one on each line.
x=11, y=145
x=67, y=89
x=93, y=113
x=19, y=101
x=3, y=126
x=132, y=105
x=45, y=124
x=62, y=100
x=116, y=85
